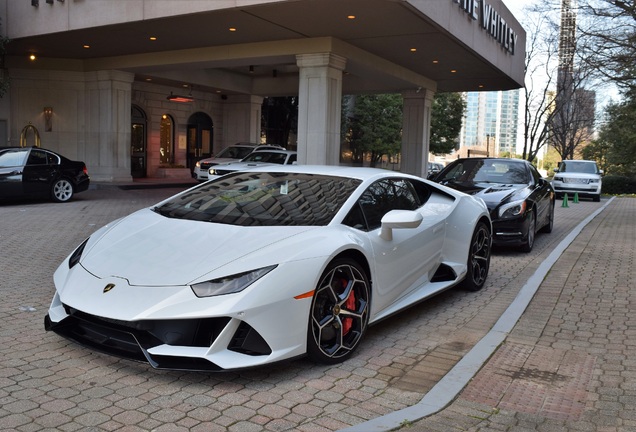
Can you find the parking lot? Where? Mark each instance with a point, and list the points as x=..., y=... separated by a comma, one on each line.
x=47, y=382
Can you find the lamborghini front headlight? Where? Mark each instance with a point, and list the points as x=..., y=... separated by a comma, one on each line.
x=229, y=284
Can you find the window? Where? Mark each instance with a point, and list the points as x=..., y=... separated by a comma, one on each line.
x=37, y=157
x=382, y=197
x=12, y=158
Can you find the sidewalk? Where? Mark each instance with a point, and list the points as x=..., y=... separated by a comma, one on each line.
x=569, y=363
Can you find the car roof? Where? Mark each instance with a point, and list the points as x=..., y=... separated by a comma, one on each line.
x=361, y=173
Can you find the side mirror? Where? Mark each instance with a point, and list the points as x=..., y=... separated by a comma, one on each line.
x=556, y=170
x=600, y=172
x=399, y=219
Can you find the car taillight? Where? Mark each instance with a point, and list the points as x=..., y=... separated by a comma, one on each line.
x=85, y=170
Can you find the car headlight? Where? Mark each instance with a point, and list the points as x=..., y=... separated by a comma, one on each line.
x=560, y=179
x=229, y=284
x=212, y=171
x=594, y=180
x=76, y=255
x=512, y=209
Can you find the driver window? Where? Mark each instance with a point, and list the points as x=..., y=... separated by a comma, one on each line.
x=380, y=198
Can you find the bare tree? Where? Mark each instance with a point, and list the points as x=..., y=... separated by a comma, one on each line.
x=540, y=81
x=607, y=41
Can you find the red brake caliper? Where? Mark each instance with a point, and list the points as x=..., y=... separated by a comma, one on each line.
x=350, y=304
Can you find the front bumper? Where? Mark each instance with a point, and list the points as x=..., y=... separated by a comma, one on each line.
x=510, y=231
x=170, y=328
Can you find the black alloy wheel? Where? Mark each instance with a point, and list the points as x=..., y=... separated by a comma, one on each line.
x=478, y=258
x=339, y=312
x=532, y=229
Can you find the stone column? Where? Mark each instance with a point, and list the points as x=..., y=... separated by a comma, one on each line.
x=319, y=106
x=416, y=131
x=107, y=124
x=242, y=119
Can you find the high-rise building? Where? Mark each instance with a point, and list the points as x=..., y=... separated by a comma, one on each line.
x=490, y=123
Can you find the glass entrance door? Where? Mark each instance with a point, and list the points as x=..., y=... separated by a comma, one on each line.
x=199, y=138
x=138, y=144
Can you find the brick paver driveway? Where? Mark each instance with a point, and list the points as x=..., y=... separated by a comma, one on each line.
x=47, y=382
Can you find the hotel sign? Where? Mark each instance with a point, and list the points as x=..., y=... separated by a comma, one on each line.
x=491, y=22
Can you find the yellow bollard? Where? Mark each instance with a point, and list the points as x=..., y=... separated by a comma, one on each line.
x=565, y=201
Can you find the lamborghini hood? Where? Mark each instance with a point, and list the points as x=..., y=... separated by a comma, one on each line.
x=152, y=250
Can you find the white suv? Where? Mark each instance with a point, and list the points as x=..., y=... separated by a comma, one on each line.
x=233, y=153
x=578, y=176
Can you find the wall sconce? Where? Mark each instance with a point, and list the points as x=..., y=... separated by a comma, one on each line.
x=35, y=3
x=48, y=118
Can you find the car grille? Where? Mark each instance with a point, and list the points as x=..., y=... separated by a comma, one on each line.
x=576, y=181
x=222, y=172
x=133, y=339
x=207, y=165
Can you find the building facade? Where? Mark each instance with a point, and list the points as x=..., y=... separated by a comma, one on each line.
x=137, y=87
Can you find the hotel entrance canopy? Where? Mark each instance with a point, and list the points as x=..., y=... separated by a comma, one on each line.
x=251, y=46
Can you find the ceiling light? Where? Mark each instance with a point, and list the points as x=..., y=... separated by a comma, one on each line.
x=453, y=70
x=86, y=46
x=413, y=49
x=232, y=29
x=153, y=38
x=32, y=57
x=351, y=17
x=178, y=98
x=435, y=61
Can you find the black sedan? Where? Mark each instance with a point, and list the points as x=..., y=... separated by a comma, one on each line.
x=520, y=201
x=32, y=172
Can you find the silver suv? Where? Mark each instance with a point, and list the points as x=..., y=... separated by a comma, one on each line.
x=578, y=176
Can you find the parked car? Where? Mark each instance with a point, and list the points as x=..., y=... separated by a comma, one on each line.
x=520, y=201
x=578, y=176
x=233, y=153
x=268, y=264
x=32, y=172
x=257, y=158
x=434, y=168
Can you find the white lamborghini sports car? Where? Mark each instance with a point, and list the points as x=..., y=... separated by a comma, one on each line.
x=268, y=264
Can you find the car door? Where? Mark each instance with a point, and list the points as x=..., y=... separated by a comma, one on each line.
x=403, y=263
x=11, y=171
x=39, y=173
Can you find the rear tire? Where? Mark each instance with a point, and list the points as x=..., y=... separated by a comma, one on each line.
x=478, y=258
x=339, y=312
x=62, y=190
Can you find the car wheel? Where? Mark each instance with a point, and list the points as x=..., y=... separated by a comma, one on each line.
x=532, y=229
x=548, y=227
x=62, y=190
x=339, y=312
x=478, y=258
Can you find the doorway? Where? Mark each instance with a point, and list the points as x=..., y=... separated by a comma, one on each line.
x=199, y=138
x=138, y=151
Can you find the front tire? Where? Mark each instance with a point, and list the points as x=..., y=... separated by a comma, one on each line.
x=532, y=230
x=339, y=312
x=62, y=190
x=478, y=258
x=550, y=225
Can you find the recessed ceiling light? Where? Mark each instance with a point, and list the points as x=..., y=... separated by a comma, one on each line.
x=351, y=17
x=86, y=46
x=453, y=70
x=413, y=49
x=435, y=61
x=32, y=57
x=153, y=38
x=232, y=29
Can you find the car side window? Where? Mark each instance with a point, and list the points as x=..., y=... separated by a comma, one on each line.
x=12, y=158
x=379, y=199
x=37, y=157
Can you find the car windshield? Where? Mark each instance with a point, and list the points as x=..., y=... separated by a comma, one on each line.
x=507, y=171
x=235, y=152
x=265, y=156
x=263, y=199
x=578, y=167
